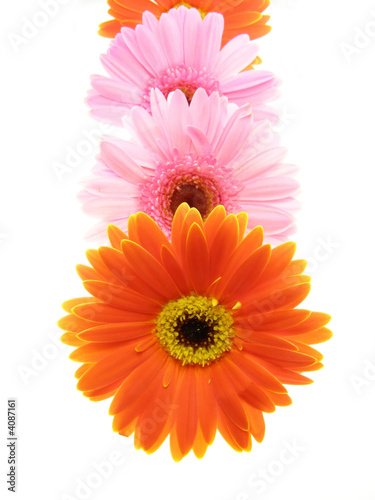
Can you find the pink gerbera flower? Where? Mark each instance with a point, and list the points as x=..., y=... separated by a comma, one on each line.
x=207, y=153
x=179, y=51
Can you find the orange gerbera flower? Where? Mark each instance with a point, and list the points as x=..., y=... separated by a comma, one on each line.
x=194, y=335
x=241, y=16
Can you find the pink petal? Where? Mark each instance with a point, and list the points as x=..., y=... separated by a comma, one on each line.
x=145, y=129
x=234, y=135
x=150, y=21
x=130, y=40
x=269, y=188
x=191, y=38
x=200, y=141
x=272, y=219
x=248, y=79
x=260, y=164
x=178, y=120
x=138, y=153
x=121, y=163
x=111, y=186
x=236, y=55
x=200, y=110
x=115, y=90
x=113, y=115
x=109, y=208
x=151, y=49
x=263, y=112
x=126, y=65
x=171, y=40
x=212, y=32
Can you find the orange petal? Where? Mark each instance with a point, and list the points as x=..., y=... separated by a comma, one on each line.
x=310, y=351
x=207, y=407
x=256, y=372
x=246, y=389
x=279, y=399
x=215, y=218
x=241, y=19
x=285, y=375
x=115, y=236
x=117, y=265
x=102, y=397
x=200, y=444
x=91, y=353
x=116, y=366
x=104, y=392
x=224, y=244
x=311, y=368
x=242, y=219
x=239, y=436
x=287, y=297
x=191, y=217
x=87, y=273
x=174, y=270
x=315, y=321
x=315, y=337
x=144, y=231
x=186, y=410
x=264, y=338
x=171, y=367
x=154, y=424
x=282, y=357
x=93, y=257
x=295, y=267
x=227, y=398
x=270, y=293
x=72, y=323
x=256, y=421
x=104, y=313
x=110, y=29
x=280, y=257
x=245, y=275
x=69, y=304
x=140, y=377
x=224, y=431
x=252, y=241
x=117, y=332
x=121, y=297
x=177, y=224
x=82, y=369
x=174, y=446
x=71, y=339
x=197, y=259
x=144, y=265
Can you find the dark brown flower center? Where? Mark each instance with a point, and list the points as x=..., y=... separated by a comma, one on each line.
x=195, y=332
x=192, y=195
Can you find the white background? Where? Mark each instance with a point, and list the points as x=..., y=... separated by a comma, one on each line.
x=329, y=130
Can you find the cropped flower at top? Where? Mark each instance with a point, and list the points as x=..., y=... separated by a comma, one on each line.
x=179, y=51
x=192, y=335
x=241, y=16
x=207, y=153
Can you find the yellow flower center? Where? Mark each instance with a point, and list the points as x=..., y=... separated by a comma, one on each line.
x=195, y=330
x=185, y=4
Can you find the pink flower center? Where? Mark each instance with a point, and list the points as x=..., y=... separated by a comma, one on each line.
x=184, y=78
x=200, y=182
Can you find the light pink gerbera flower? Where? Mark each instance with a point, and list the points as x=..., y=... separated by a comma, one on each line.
x=179, y=51
x=206, y=153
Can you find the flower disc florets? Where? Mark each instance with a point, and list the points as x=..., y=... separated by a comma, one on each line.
x=195, y=330
x=200, y=182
